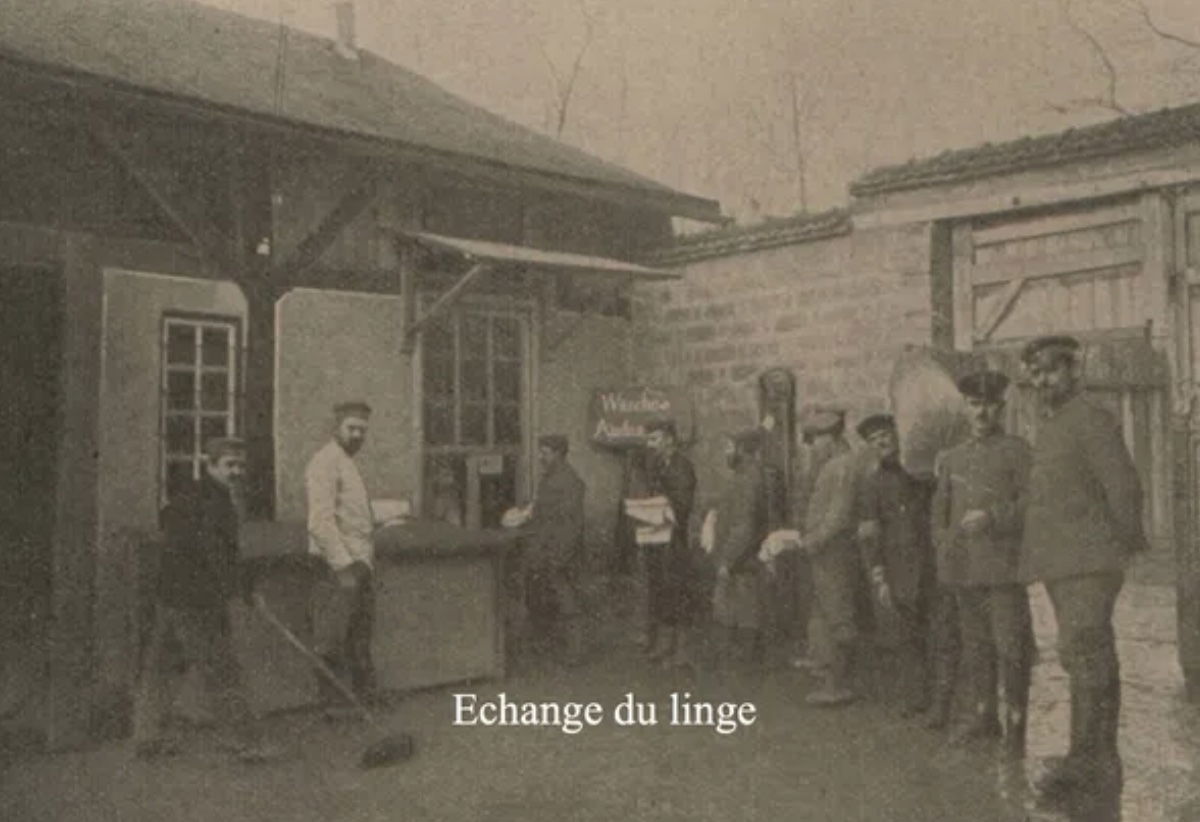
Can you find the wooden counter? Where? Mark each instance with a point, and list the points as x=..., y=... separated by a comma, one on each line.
x=439, y=608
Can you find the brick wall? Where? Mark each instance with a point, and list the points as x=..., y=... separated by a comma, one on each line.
x=834, y=310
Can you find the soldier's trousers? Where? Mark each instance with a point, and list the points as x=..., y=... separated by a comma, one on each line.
x=1083, y=607
x=343, y=629
x=997, y=635
x=204, y=638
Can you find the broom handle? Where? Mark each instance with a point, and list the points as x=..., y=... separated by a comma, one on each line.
x=314, y=659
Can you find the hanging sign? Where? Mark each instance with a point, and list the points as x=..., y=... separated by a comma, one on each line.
x=617, y=417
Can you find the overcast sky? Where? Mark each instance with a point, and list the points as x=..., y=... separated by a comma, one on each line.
x=697, y=93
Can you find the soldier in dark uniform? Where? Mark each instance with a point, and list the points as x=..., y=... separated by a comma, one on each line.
x=741, y=525
x=669, y=567
x=895, y=545
x=554, y=549
x=1083, y=523
x=978, y=518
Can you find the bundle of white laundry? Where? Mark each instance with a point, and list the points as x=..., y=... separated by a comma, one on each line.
x=656, y=517
x=516, y=517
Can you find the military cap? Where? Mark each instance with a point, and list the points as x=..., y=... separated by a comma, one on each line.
x=875, y=423
x=988, y=386
x=555, y=442
x=352, y=408
x=822, y=419
x=748, y=440
x=218, y=447
x=1067, y=345
x=665, y=426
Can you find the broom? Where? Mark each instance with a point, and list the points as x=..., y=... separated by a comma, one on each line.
x=389, y=750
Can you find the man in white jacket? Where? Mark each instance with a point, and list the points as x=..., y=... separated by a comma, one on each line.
x=340, y=530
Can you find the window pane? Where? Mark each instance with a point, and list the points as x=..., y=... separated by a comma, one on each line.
x=507, y=376
x=474, y=422
x=179, y=476
x=213, y=427
x=439, y=424
x=181, y=344
x=181, y=390
x=439, y=377
x=474, y=380
x=474, y=329
x=214, y=392
x=180, y=435
x=216, y=346
x=506, y=338
x=508, y=425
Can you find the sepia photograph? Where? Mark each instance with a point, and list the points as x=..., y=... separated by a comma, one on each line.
x=599, y=410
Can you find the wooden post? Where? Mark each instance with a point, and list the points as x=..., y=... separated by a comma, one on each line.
x=259, y=416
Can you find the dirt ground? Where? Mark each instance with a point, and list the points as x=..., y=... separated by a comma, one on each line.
x=794, y=762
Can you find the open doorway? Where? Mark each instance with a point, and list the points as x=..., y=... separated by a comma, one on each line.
x=31, y=314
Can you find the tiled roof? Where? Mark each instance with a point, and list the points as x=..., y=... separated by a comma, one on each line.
x=183, y=49
x=771, y=233
x=1160, y=129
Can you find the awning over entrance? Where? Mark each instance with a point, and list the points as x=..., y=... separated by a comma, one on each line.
x=485, y=255
x=487, y=251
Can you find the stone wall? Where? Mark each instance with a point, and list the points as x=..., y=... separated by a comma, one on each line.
x=835, y=310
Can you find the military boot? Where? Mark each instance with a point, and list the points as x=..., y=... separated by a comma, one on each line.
x=982, y=724
x=1065, y=774
x=836, y=689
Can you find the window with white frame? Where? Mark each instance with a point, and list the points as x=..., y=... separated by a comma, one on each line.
x=199, y=394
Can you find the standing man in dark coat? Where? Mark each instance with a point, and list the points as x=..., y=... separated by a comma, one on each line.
x=669, y=567
x=741, y=526
x=197, y=576
x=554, y=550
x=1083, y=523
x=897, y=551
x=978, y=519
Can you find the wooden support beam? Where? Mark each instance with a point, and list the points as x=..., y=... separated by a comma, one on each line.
x=1007, y=299
x=207, y=239
x=356, y=199
x=444, y=302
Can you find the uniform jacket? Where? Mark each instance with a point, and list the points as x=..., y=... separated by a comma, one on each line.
x=1084, y=513
x=199, y=561
x=675, y=478
x=989, y=474
x=741, y=519
x=830, y=523
x=556, y=525
x=339, y=511
x=899, y=503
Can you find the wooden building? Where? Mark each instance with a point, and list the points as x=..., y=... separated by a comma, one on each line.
x=212, y=225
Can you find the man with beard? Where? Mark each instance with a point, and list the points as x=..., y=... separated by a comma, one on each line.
x=977, y=520
x=1083, y=523
x=340, y=531
x=554, y=549
x=896, y=549
x=829, y=543
x=197, y=577
x=740, y=528
x=669, y=567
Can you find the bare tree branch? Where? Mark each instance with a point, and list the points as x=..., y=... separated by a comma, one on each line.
x=1161, y=32
x=1109, y=100
x=564, y=87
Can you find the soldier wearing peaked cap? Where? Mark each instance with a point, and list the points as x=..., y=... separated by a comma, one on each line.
x=1083, y=523
x=977, y=520
x=894, y=540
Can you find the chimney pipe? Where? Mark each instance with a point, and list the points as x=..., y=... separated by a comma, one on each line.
x=347, y=47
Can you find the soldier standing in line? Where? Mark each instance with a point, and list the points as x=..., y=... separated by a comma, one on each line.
x=978, y=518
x=828, y=540
x=738, y=596
x=896, y=549
x=1083, y=524
x=669, y=567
